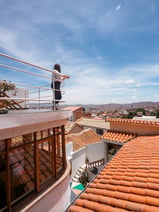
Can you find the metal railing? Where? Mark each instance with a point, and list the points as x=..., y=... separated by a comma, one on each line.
x=30, y=95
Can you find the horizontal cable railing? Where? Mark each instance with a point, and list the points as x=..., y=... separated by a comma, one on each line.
x=29, y=94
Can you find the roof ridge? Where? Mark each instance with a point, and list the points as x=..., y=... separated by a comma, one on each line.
x=132, y=121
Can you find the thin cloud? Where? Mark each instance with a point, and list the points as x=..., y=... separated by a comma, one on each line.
x=118, y=7
x=129, y=81
x=95, y=45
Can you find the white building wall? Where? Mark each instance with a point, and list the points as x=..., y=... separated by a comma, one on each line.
x=78, y=159
x=92, y=152
x=96, y=151
x=20, y=93
x=69, y=150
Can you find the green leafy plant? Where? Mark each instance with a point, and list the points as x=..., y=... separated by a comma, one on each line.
x=4, y=87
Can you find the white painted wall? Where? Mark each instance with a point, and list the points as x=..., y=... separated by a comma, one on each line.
x=78, y=159
x=20, y=93
x=69, y=150
x=93, y=152
x=96, y=151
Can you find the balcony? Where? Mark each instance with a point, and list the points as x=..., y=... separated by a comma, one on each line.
x=33, y=165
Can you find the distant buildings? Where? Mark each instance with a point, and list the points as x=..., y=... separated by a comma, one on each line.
x=76, y=112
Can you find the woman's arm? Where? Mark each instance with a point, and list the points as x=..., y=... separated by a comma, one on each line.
x=64, y=76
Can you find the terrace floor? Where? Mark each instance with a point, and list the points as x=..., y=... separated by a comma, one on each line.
x=24, y=121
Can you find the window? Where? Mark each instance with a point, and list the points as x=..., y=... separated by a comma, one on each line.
x=99, y=131
x=28, y=163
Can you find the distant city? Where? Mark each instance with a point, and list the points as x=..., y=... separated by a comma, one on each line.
x=114, y=110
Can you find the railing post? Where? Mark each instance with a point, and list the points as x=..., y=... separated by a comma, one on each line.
x=63, y=147
x=8, y=173
x=39, y=97
x=54, y=165
x=36, y=164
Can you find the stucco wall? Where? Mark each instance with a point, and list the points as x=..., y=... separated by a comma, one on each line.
x=69, y=150
x=96, y=151
x=93, y=152
x=77, y=114
x=78, y=159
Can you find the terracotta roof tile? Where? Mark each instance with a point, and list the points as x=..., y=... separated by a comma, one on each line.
x=72, y=127
x=118, y=136
x=83, y=138
x=129, y=182
x=25, y=173
x=132, y=121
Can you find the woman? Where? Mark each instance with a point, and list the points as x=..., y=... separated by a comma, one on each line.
x=57, y=78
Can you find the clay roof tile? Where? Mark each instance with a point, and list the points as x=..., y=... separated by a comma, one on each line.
x=129, y=182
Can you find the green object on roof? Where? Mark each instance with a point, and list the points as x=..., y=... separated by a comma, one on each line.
x=79, y=187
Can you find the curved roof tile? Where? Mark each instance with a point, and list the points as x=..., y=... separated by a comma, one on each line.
x=118, y=136
x=132, y=121
x=129, y=182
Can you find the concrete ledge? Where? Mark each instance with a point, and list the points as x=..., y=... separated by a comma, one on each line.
x=12, y=125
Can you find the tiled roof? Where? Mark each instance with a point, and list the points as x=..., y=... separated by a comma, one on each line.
x=22, y=161
x=70, y=125
x=130, y=182
x=97, y=118
x=118, y=136
x=141, y=122
x=83, y=138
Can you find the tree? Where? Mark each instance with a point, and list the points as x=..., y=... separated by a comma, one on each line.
x=5, y=86
x=157, y=114
x=141, y=110
x=131, y=114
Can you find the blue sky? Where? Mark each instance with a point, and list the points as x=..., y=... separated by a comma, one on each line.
x=109, y=48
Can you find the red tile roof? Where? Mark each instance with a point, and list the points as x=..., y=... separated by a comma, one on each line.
x=22, y=161
x=97, y=118
x=130, y=182
x=83, y=138
x=132, y=121
x=118, y=136
x=73, y=127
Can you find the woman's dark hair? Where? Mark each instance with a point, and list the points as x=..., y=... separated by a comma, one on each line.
x=57, y=67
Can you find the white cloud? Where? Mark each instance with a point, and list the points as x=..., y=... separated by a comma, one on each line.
x=156, y=96
x=57, y=33
x=129, y=81
x=118, y=7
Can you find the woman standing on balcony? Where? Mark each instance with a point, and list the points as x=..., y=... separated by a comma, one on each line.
x=57, y=78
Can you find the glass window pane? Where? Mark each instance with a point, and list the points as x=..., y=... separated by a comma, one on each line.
x=2, y=145
x=22, y=171
x=58, y=152
x=3, y=181
x=45, y=162
x=19, y=140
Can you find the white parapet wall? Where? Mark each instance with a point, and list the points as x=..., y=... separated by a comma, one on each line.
x=78, y=159
x=92, y=152
x=96, y=151
x=69, y=150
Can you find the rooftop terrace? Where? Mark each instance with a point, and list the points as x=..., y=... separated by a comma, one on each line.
x=33, y=164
